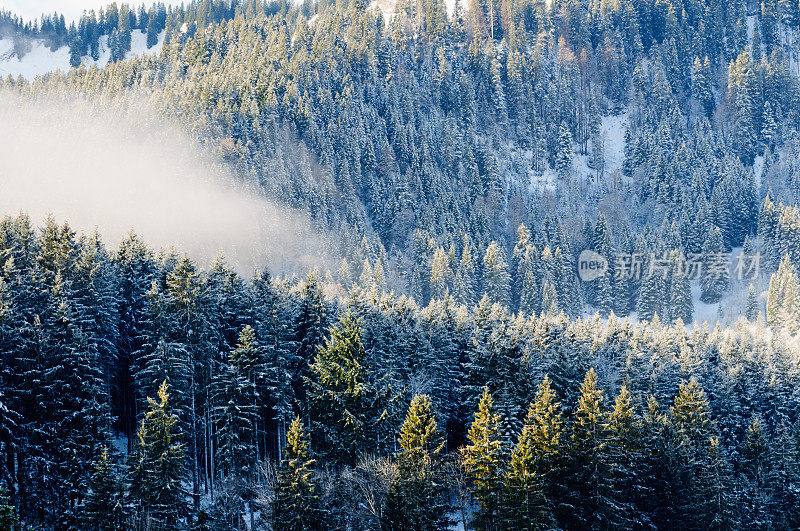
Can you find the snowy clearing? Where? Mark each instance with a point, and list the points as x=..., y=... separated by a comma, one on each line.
x=40, y=59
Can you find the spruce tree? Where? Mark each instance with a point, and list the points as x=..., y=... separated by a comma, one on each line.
x=483, y=460
x=563, y=157
x=296, y=503
x=783, y=299
x=104, y=508
x=496, y=280
x=417, y=498
x=157, y=467
x=625, y=454
x=587, y=503
x=715, y=277
x=751, y=309
x=345, y=408
x=525, y=504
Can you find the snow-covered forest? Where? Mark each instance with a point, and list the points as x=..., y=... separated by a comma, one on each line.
x=565, y=288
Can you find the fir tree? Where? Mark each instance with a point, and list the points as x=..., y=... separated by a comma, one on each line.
x=157, y=468
x=416, y=498
x=563, y=159
x=587, y=503
x=715, y=275
x=751, y=310
x=495, y=275
x=483, y=460
x=296, y=503
x=525, y=504
x=783, y=299
x=345, y=409
x=104, y=508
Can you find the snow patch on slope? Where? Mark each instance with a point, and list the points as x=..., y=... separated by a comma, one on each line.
x=758, y=170
x=40, y=59
x=613, y=130
x=389, y=7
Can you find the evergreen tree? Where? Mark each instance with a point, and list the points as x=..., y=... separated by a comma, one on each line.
x=563, y=158
x=525, y=504
x=104, y=508
x=416, y=498
x=483, y=460
x=783, y=299
x=157, y=467
x=495, y=275
x=751, y=310
x=296, y=503
x=625, y=454
x=345, y=408
x=234, y=397
x=587, y=503
x=715, y=277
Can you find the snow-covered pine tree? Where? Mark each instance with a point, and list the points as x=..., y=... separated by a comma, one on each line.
x=157, y=467
x=483, y=460
x=104, y=508
x=587, y=503
x=715, y=276
x=417, y=497
x=295, y=506
x=496, y=279
x=783, y=298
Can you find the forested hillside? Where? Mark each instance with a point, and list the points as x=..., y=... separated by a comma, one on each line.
x=517, y=421
x=459, y=366
x=429, y=132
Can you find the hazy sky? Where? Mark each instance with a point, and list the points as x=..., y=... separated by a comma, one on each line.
x=71, y=9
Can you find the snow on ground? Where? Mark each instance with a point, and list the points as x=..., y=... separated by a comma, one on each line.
x=703, y=313
x=613, y=130
x=758, y=169
x=389, y=7
x=41, y=60
x=120, y=444
x=751, y=24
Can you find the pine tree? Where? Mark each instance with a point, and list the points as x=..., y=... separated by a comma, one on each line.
x=345, y=409
x=715, y=277
x=767, y=227
x=751, y=310
x=525, y=504
x=296, y=503
x=483, y=460
x=157, y=469
x=417, y=497
x=783, y=299
x=152, y=29
x=563, y=159
x=680, y=295
x=701, y=85
x=625, y=454
x=754, y=495
x=705, y=484
x=104, y=508
x=495, y=275
x=441, y=274
x=234, y=412
x=8, y=514
x=587, y=504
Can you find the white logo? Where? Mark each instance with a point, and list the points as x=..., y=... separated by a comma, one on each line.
x=591, y=265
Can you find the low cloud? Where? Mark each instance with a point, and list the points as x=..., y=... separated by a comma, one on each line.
x=121, y=167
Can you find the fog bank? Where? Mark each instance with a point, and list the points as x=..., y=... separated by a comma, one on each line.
x=119, y=168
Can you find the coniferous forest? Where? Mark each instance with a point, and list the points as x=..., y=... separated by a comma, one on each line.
x=565, y=292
